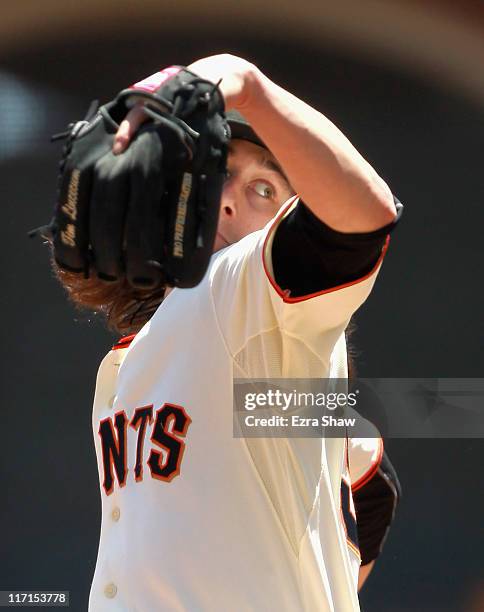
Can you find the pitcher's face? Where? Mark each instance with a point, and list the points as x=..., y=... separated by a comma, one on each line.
x=254, y=191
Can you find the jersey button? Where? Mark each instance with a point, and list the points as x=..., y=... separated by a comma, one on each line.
x=115, y=514
x=111, y=401
x=110, y=590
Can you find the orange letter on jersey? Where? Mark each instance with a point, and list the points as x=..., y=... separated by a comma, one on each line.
x=114, y=450
x=141, y=417
x=168, y=468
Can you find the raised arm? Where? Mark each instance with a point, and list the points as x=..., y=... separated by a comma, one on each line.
x=325, y=169
x=331, y=177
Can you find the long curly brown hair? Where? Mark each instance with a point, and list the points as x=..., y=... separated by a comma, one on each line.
x=124, y=308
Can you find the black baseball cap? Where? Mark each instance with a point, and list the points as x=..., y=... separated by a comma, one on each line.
x=240, y=128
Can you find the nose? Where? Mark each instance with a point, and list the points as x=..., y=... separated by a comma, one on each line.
x=227, y=202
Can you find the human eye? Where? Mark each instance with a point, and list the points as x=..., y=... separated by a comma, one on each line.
x=264, y=189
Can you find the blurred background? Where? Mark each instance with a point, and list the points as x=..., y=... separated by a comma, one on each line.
x=405, y=81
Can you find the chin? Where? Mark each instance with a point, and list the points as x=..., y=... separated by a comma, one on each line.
x=220, y=243
x=218, y=246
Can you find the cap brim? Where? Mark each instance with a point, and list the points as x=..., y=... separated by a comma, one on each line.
x=241, y=129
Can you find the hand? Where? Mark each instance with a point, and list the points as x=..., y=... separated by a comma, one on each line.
x=235, y=73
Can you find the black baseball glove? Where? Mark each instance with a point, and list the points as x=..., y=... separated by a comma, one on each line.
x=149, y=214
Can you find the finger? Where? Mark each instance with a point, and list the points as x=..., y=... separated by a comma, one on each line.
x=145, y=221
x=71, y=236
x=107, y=215
x=188, y=251
x=128, y=128
x=71, y=219
x=146, y=216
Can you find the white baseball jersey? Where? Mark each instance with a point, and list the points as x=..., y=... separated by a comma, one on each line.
x=364, y=458
x=194, y=519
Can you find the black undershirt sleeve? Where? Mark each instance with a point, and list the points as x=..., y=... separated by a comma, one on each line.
x=375, y=504
x=309, y=256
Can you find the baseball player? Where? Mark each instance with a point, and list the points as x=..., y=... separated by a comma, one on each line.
x=194, y=519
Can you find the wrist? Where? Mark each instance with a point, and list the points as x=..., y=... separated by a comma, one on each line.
x=251, y=81
x=236, y=75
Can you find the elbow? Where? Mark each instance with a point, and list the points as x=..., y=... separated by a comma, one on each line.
x=385, y=209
